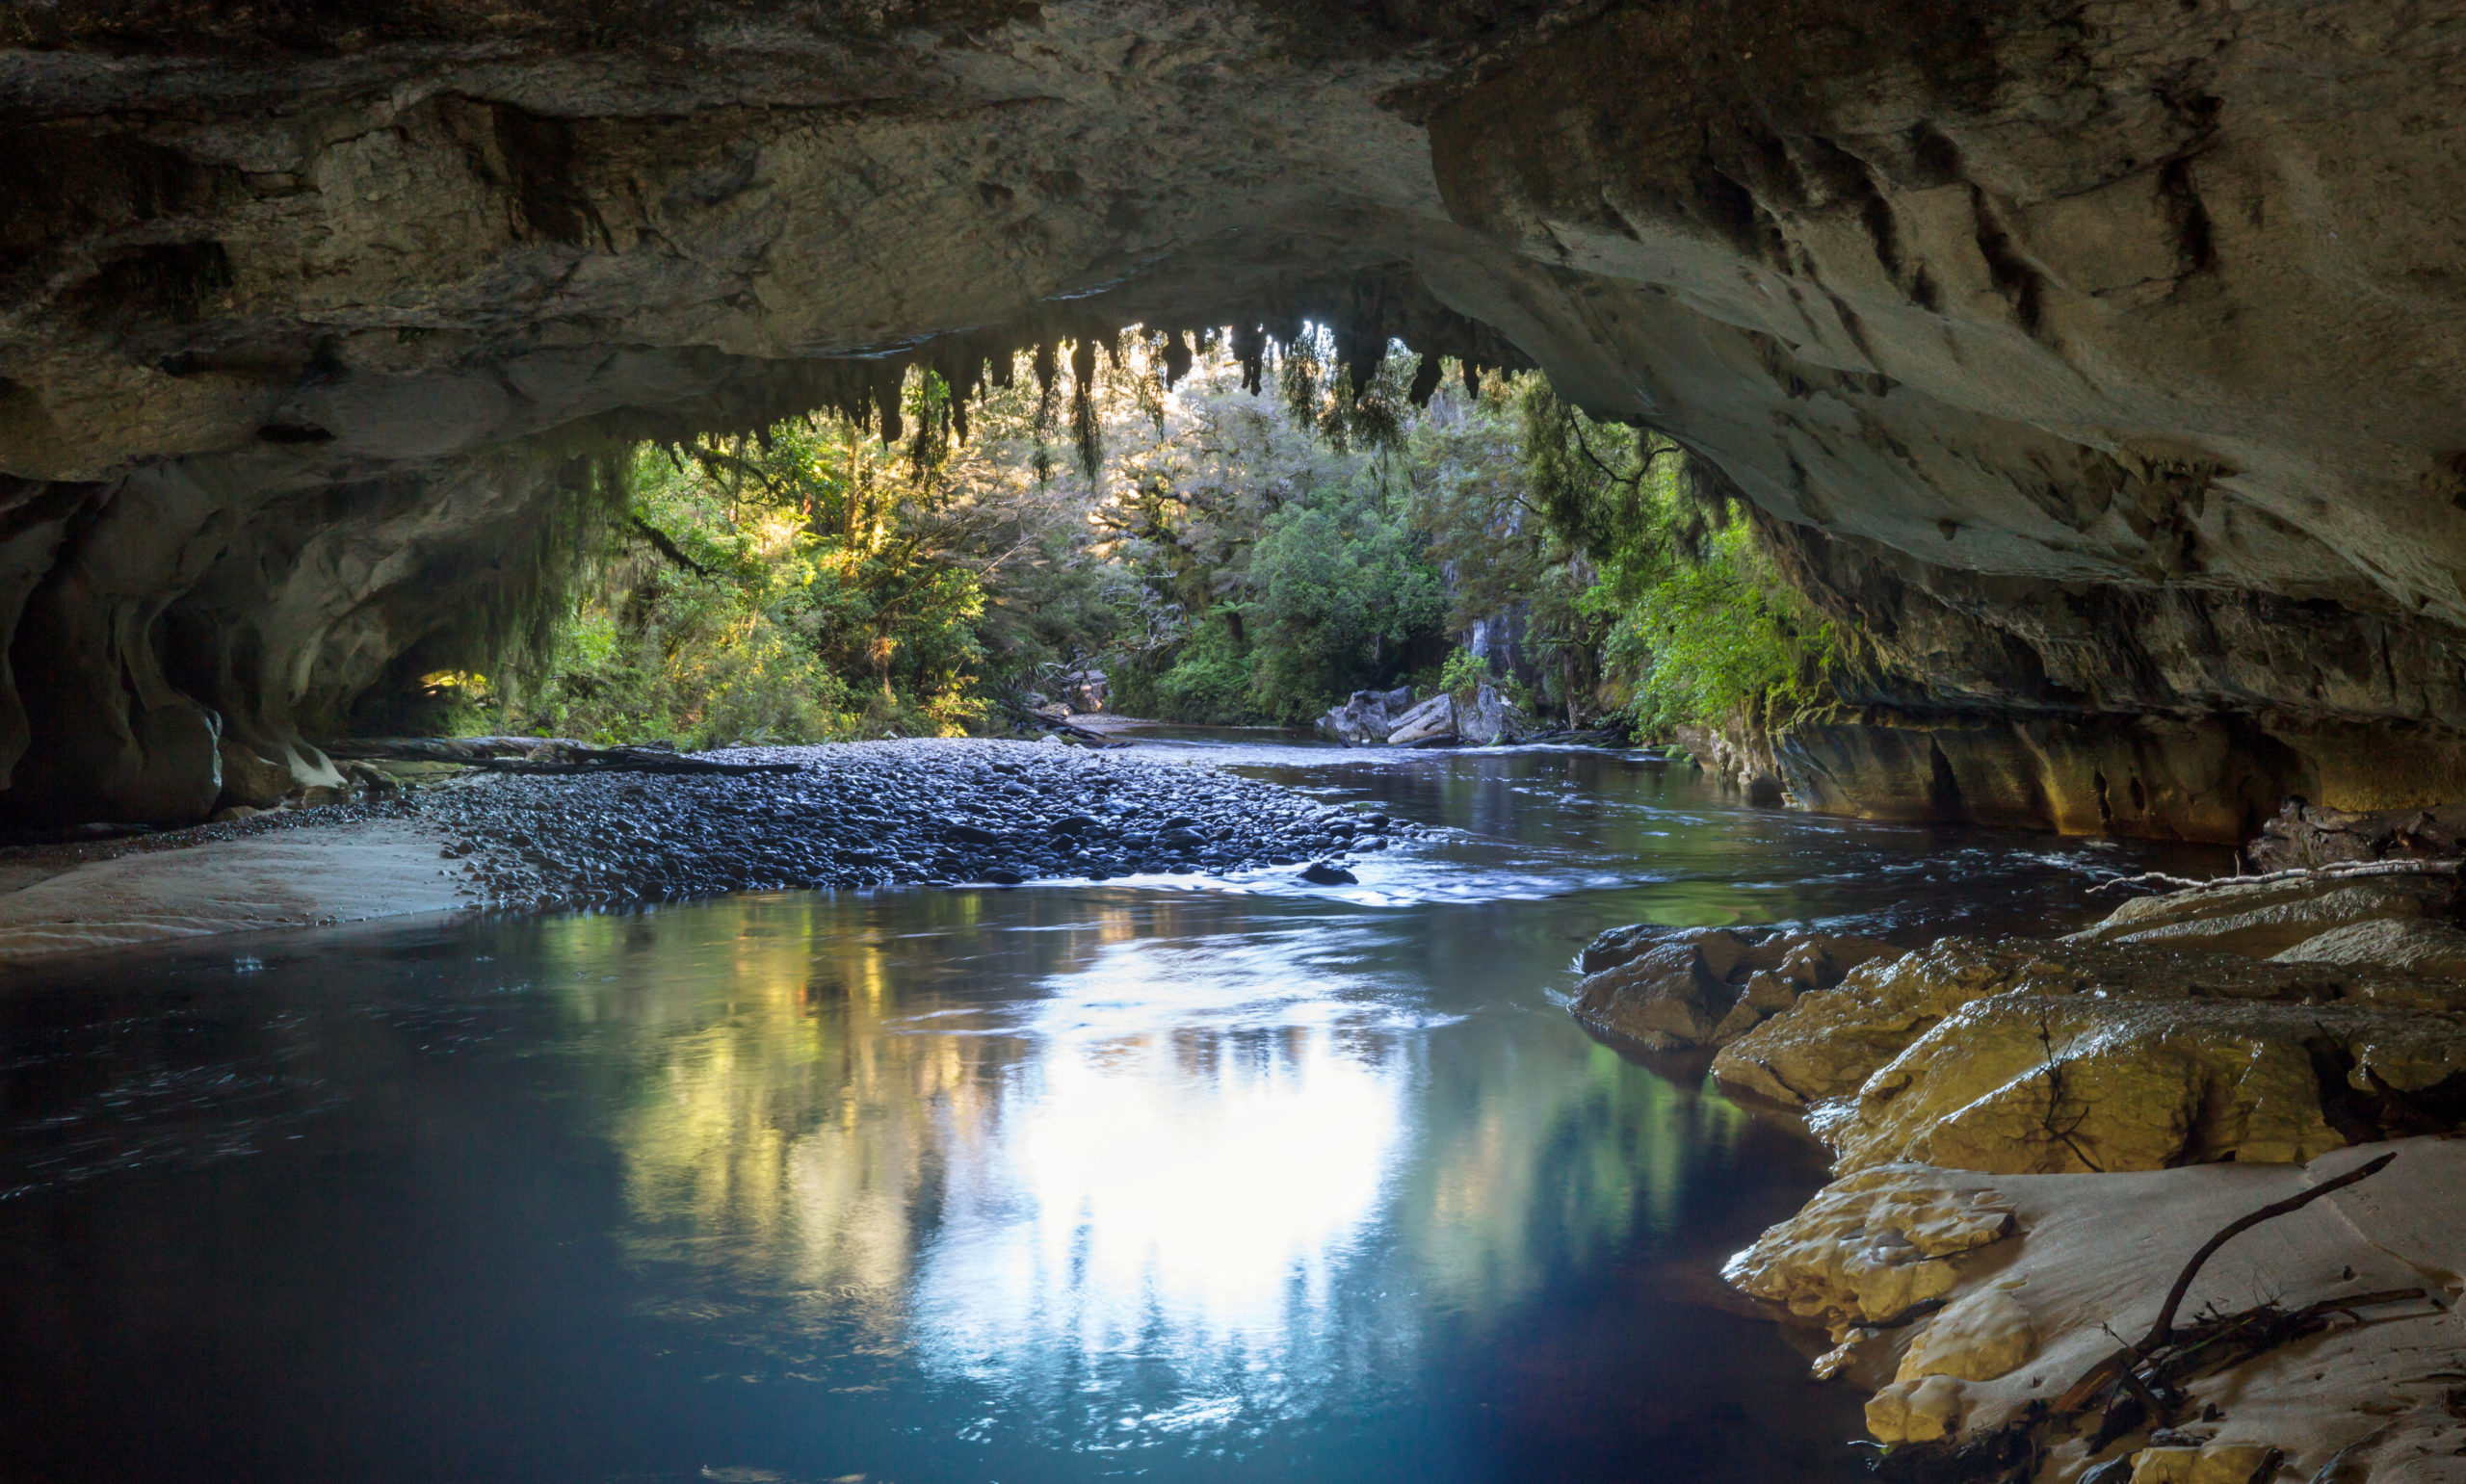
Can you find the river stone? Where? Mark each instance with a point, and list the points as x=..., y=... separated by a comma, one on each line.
x=1978, y=1337
x=2265, y=917
x=2029, y=1084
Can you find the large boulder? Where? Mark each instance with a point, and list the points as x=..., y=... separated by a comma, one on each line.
x=1430, y=724
x=1671, y=989
x=1366, y=716
x=1489, y=719
x=1486, y=719
x=2024, y=1084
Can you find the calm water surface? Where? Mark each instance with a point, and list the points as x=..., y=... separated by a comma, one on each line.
x=1235, y=1181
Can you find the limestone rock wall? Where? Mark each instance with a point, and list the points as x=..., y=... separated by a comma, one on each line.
x=2104, y=362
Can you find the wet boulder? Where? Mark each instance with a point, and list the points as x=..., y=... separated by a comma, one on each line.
x=1870, y=1247
x=1828, y=1043
x=1667, y=989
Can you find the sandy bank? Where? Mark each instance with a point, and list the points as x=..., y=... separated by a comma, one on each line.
x=349, y=872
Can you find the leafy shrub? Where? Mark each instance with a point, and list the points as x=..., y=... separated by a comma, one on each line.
x=1209, y=681
x=1464, y=674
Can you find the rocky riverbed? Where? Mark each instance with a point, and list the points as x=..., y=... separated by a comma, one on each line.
x=881, y=814
x=844, y=815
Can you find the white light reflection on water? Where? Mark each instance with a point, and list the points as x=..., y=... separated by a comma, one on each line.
x=1180, y=1173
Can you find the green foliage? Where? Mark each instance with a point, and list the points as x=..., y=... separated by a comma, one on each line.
x=1345, y=591
x=811, y=584
x=1209, y=681
x=1698, y=628
x=1724, y=638
x=1277, y=540
x=1464, y=674
x=1227, y=557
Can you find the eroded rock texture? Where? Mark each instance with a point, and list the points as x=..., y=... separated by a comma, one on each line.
x=2102, y=362
x=2264, y=1022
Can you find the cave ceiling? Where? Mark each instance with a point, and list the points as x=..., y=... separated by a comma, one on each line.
x=2123, y=344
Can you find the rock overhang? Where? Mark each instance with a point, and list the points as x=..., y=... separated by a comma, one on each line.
x=2114, y=362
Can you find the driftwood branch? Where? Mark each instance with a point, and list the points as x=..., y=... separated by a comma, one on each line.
x=2098, y=1379
x=2164, y=1329
x=2332, y=872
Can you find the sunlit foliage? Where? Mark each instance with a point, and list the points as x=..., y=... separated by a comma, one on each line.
x=1699, y=628
x=1230, y=540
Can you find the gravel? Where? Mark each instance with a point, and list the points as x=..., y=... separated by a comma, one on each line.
x=868, y=814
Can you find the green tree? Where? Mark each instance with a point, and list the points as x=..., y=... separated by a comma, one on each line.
x=1698, y=628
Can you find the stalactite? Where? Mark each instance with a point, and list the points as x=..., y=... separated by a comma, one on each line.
x=886, y=392
x=1250, y=348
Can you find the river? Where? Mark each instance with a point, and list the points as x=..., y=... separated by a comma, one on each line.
x=1187, y=1179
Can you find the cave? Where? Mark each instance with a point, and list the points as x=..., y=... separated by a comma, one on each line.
x=2100, y=367
x=2098, y=371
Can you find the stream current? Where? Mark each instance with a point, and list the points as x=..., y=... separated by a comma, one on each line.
x=1179, y=1179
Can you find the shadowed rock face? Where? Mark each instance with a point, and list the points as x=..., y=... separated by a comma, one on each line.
x=2103, y=363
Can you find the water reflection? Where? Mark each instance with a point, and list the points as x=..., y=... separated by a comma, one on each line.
x=1225, y=1182
x=1139, y=1168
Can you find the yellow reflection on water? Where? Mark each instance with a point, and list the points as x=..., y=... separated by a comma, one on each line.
x=1031, y=1149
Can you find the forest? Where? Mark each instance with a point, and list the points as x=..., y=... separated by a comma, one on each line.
x=1222, y=547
